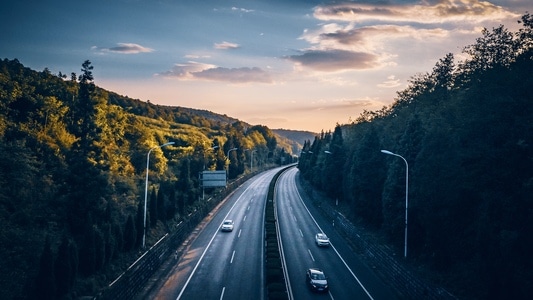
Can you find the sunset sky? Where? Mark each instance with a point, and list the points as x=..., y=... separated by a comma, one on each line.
x=292, y=64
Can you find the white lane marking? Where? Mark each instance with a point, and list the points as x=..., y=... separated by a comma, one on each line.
x=232, y=256
x=244, y=219
x=239, y=235
x=222, y=294
x=309, y=250
x=301, y=233
x=207, y=247
x=338, y=254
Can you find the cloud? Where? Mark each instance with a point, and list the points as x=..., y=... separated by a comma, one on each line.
x=186, y=71
x=334, y=60
x=226, y=45
x=242, y=10
x=429, y=12
x=339, y=105
x=366, y=38
x=125, y=48
x=199, y=71
x=391, y=82
x=235, y=75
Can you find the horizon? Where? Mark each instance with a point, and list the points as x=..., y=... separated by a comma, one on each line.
x=300, y=65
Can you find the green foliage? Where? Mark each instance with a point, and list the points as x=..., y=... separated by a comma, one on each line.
x=465, y=132
x=73, y=168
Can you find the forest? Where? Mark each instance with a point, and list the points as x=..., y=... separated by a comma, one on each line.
x=462, y=143
x=72, y=176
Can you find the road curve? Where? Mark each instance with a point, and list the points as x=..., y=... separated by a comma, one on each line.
x=225, y=265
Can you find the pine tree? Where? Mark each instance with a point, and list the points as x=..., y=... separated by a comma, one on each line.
x=139, y=223
x=63, y=268
x=45, y=287
x=161, y=213
x=153, y=208
x=129, y=234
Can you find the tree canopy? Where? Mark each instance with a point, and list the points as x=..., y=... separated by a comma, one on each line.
x=74, y=159
x=465, y=130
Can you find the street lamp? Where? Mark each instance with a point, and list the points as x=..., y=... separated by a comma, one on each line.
x=232, y=149
x=146, y=186
x=203, y=189
x=406, y=195
x=251, y=158
x=227, y=157
x=252, y=161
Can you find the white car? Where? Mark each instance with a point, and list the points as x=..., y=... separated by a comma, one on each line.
x=227, y=225
x=321, y=239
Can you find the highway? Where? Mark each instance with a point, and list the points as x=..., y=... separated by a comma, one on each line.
x=229, y=265
x=225, y=265
x=348, y=277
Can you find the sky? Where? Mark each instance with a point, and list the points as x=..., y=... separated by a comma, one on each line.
x=290, y=64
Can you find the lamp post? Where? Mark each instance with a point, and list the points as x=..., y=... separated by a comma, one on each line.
x=232, y=149
x=203, y=189
x=227, y=157
x=146, y=186
x=212, y=148
x=406, y=195
x=252, y=161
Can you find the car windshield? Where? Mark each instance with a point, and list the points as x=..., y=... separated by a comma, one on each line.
x=322, y=236
x=318, y=276
x=227, y=222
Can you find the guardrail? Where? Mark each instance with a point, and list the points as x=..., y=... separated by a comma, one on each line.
x=133, y=281
x=275, y=270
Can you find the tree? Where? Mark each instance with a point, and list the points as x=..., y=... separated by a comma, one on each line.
x=129, y=234
x=45, y=284
x=139, y=223
x=368, y=176
x=88, y=251
x=161, y=205
x=64, y=272
x=153, y=208
x=334, y=168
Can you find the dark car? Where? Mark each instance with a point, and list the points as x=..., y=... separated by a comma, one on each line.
x=316, y=280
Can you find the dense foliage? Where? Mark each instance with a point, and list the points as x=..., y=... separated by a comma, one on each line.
x=465, y=132
x=72, y=176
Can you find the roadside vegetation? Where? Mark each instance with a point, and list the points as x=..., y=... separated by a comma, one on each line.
x=465, y=130
x=72, y=177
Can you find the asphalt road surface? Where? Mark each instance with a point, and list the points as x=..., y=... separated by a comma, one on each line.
x=348, y=277
x=229, y=265
x=225, y=265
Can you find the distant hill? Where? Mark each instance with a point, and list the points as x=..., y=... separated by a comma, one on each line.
x=290, y=140
x=298, y=137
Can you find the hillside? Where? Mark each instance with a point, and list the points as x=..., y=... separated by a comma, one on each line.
x=72, y=175
x=290, y=140
x=297, y=137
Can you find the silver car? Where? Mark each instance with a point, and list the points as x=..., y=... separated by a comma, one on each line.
x=321, y=239
x=227, y=225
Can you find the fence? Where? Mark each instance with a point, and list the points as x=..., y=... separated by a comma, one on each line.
x=134, y=279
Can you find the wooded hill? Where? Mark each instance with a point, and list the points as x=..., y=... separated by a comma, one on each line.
x=465, y=131
x=72, y=176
